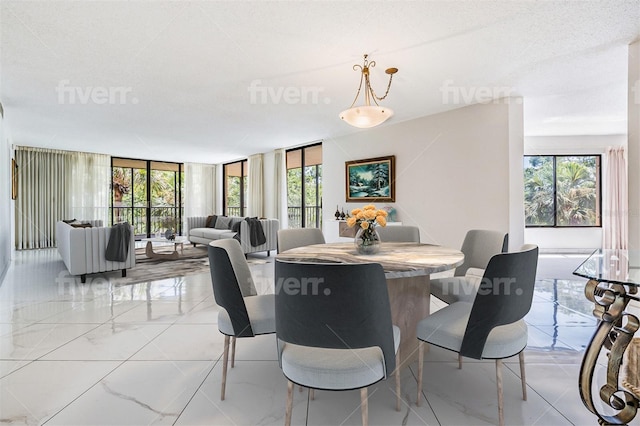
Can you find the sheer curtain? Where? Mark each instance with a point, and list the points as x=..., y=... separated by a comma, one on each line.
x=43, y=196
x=200, y=190
x=255, y=205
x=280, y=187
x=616, y=207
x=90, y=186
x=55, y=185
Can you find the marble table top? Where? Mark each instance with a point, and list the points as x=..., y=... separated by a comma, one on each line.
x=397, y=259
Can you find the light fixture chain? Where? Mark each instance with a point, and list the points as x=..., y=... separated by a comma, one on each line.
x=385, y=93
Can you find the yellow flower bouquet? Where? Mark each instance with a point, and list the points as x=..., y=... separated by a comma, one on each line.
x=366, y=219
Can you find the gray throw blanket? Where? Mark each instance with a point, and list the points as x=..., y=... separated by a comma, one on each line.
x=256, y=232
x=118, y=246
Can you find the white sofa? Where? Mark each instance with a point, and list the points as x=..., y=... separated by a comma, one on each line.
x=197, y=232
x=83, y=250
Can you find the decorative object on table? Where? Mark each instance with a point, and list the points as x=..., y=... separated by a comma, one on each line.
x=372, y=179
x=368, y=115
x=367, y=240
x=392, y=215
x=342, y=215
x=170, y=235
x=337, y=214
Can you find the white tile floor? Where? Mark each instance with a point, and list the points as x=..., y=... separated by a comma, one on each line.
x=73, y=354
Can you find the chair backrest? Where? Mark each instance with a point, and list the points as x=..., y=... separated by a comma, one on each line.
x=339, y=306
x=399, y=234
x=479, y=246
x=298, y=237
x=232, y=281
x=504, y=297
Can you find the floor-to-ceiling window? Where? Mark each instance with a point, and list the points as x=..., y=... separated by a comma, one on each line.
x=148, y=195
x=304, y=186
x=235, y=188
x=562, y=190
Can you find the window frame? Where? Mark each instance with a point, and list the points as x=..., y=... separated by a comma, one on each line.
x=598, y=188
x=148, y=166
x=244, y=166
x=318, y=182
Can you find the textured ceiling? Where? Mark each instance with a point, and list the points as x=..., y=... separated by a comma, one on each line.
x=215, y=81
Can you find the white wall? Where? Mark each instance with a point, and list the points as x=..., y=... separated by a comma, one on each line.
x=571, y=238
x=6, y=205
x=452, y=170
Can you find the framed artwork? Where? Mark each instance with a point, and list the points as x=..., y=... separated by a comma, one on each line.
x=371, y=180
x=14, y=179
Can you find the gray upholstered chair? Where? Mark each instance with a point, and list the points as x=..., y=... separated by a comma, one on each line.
x=399, y=234
x=334, y=330
x=243, y=313
x=298, y=237
x=492, y=326
x=479, y=246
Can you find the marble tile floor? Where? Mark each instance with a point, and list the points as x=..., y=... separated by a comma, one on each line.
x=150, y=353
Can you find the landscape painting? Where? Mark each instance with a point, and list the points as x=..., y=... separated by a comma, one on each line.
x=372, y=179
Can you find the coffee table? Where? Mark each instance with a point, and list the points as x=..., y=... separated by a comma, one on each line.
x=179, y=241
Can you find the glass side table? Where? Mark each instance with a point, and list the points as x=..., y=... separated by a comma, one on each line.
x=614, y=279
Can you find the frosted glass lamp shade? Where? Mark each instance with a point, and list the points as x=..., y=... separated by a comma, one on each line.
x=366, y=116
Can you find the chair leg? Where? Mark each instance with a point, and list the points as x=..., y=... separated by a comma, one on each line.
x=364, y=406
x=500, y=399
x=420, y=360
x=459, y=362
x=397, y=374
x=233, y=352
x=287, y=416
x=225, y=358
x=522, y=376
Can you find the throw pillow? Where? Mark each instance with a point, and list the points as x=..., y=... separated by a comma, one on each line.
x=234, y=225
x=222, y=222
x=211, y=221
x=68, y=220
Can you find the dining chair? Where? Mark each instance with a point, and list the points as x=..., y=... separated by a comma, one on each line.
x=298, y=237
x=334, y=330
x=244, y=313
x=399, y=234
x=478, y=247
x=492, y=326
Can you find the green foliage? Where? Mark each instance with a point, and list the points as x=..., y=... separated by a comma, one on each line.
x=574, y=184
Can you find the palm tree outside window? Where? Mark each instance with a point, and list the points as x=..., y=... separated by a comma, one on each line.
x=562, y=190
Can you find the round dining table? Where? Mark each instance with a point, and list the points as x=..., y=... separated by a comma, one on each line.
x=407, y=268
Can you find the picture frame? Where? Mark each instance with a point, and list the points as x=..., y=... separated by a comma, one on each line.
x=371, y=180
x=14, y=179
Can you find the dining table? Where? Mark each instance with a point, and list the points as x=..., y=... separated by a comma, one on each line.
x=613, y=284
x=407, y=269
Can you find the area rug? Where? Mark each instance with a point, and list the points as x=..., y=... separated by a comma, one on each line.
x=194, y=260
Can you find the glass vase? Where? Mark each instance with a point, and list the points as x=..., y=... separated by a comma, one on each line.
x=367, y=241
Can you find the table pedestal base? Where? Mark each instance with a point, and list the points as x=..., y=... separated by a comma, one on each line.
x=148, y=251
x=410, y=300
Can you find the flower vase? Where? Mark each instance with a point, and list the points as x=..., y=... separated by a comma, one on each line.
x=367, y=241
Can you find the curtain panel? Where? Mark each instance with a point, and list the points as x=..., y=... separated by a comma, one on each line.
x=255, y=188
x=55, y=185
x=615, y=215
x=280, y=187
x=200, y=190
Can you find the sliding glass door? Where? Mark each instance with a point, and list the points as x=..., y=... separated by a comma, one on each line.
x=148, y=195
x=304, y=186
